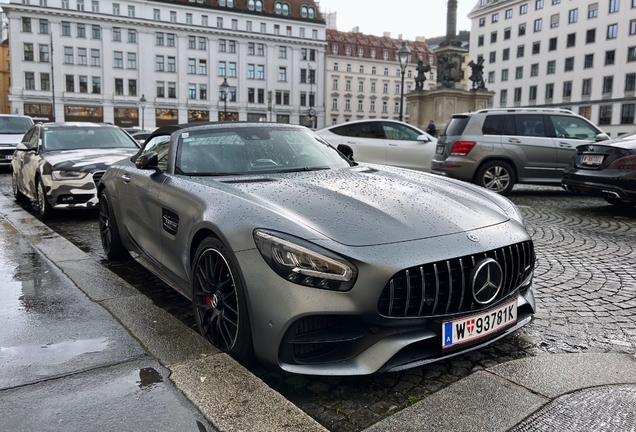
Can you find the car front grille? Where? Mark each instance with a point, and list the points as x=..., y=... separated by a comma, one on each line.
x=445, y=287
x=311, y=324
x=97, y=176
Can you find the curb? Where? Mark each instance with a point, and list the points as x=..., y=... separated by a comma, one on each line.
x=229, y=396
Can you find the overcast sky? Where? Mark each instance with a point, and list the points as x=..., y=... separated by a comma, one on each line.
x=407, y=17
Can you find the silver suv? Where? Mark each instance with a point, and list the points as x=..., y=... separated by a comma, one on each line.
x=12, y=129
x=496, y=148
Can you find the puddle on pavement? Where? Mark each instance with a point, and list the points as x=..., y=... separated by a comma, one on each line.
x=148, y=377
x=56, y=353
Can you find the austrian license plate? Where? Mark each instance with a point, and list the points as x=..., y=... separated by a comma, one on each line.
x=468, y=329
x=439, y=150
x=8, y=157
x=592, y=159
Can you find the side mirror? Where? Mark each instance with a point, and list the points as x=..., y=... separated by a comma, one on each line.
x=602, y=137
x=346, y=151
x=148, y=161
x=423, y=138
x=24, y=146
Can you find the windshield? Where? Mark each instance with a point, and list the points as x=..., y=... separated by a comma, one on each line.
x=14, y=125
x=251, y=150
x=86, y=138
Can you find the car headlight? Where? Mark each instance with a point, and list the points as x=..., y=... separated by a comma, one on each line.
x=68, y=175
x=305, y=263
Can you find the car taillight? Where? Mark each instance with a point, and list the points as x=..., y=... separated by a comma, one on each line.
x=628, y=162
x=462, y=148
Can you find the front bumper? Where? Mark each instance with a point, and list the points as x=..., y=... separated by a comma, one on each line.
x=71, y=193
x=343, y=333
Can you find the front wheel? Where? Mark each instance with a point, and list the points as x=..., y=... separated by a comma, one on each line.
x=108, y=230
x=620, y=203
x=44, y=207
x=218, y=301
x=497, y=176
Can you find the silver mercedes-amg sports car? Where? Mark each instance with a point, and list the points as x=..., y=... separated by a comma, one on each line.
x=313, y=263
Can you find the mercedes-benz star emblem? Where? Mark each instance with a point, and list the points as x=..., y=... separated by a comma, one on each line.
x=487, y=279
x=215, y=301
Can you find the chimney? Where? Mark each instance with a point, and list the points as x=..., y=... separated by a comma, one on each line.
x=400, y=37
x=387, y=34
x=356, y=29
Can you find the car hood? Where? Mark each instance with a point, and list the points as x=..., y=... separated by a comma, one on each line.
x=370, y=205
x=11, y=139
x=87, y=160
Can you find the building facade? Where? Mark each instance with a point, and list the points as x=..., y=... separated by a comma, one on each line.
x=364, y=76
x=153, y=63
x=5, y=77
x=579, y=55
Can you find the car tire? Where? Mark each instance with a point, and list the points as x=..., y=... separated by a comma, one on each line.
x=497, y=176
x=620, y=203
x=109, y=231
x=219, y=303
x=17, y=195
x=44, y=208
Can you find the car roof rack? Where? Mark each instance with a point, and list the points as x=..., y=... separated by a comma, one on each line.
x=528, y=110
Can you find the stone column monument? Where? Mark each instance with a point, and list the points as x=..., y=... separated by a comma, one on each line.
x=449, y=96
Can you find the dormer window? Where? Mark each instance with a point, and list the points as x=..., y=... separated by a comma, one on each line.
x=307, y=12
x=360, y=52
x=348, y=50
x=334, y=49
x=250, y=5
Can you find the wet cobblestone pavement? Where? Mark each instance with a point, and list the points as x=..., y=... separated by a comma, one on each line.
x=585, y=289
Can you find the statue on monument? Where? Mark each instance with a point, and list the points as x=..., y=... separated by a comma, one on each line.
x=477, y=74
x=420, y=78
x=448, y=66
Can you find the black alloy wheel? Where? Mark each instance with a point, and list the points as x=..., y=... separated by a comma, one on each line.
x=497, y=176
x=108, y=231
x=44, y=207
x=219, y=302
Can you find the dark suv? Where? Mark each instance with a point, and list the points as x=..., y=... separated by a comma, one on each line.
x=496, y=148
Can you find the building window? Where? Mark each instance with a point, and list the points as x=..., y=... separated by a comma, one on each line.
x=159, y=63
x=552, y=44
x=610, y=57
x=282, y=74
x=522, y=29
x=44, y=26
x=219, y=22
x=192, y=66
x=203, y=67
x=504, y=75
x=532, y=94
x=590, y=36
x=131, y=11
x=97, y=85
x=204, y=22
x=156, y=14
x=132, y=36
x=573, y=16
x=493, y=37
x=503, y=97
x=116, y=34
x=251, y=71
x=493, y=57
x=523, y=9
x=68, y=55
x=588, y=61
x=222, y=69
x=551, y=67
x=95, y=57
x=627, y=114
x=203, y=45
x=549, y=91
x=569, y=64
x=192, y=91
x=508, y=13
x=491, y=76
x=361, y=87
x=519, y=72
x=231, y=46
x=372, y=105
x=80, y=5
x=554, y=21
x=632, y=27
x=334, y=103
x=592, y=10
x=613, y=6
x=586, y=88
x=70, y=83
x=260, y=72
x=192, y=42
x=222, y=45
x=97, y=32
x=630, y=82
x=538, y=4
x=507, y=33
x=518, y=94
x=480, y=40
x=538, y=25
x=536, y=47
x=506, y=54
x=534, y=70
x=260, y=49
x=132, y=87
x=482, y=22
x=567, y=89
x=66, y=28
x=132, y=61
x=282, y=52
x=571, y=40
x=612, y=31
x=203, y=92
x=495, y=18
x=188, y=18
x=231, y=70
x=170, y=37
x=520, y=50
x=83, y=84
x=605, y=115
x=586, y=111
x=608, y=84
x=118, y=60
x=119, y=86
x=172, y=90
x=44, y=53
x=173, y=16
x=81, y=31
x=172, y=64
x=116, y=9
x=29, y=81
x=159, y=39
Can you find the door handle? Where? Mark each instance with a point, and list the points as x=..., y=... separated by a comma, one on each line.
x=125, y=178
x=350, y=142
x=514, y=140
x=565, y=145
x=393, y=145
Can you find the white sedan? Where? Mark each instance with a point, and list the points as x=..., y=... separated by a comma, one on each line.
x=386, y=142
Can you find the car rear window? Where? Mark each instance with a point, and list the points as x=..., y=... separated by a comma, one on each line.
x=456, y=126
x=14, y=125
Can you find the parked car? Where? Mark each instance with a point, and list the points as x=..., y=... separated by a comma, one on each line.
x=386, y=142
x=132, y=130
x=59, y=164
x=140, y=136
x=605, y=170
x=316, y=264
x=12, y=129
x=497, y=148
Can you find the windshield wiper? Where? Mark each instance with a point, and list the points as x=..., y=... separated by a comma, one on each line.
x=320, y=168
x=216, y=174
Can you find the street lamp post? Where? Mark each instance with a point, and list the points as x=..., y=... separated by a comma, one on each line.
x=404, y=53
x=225, y=88
x=269, y=104
x=142, y=103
